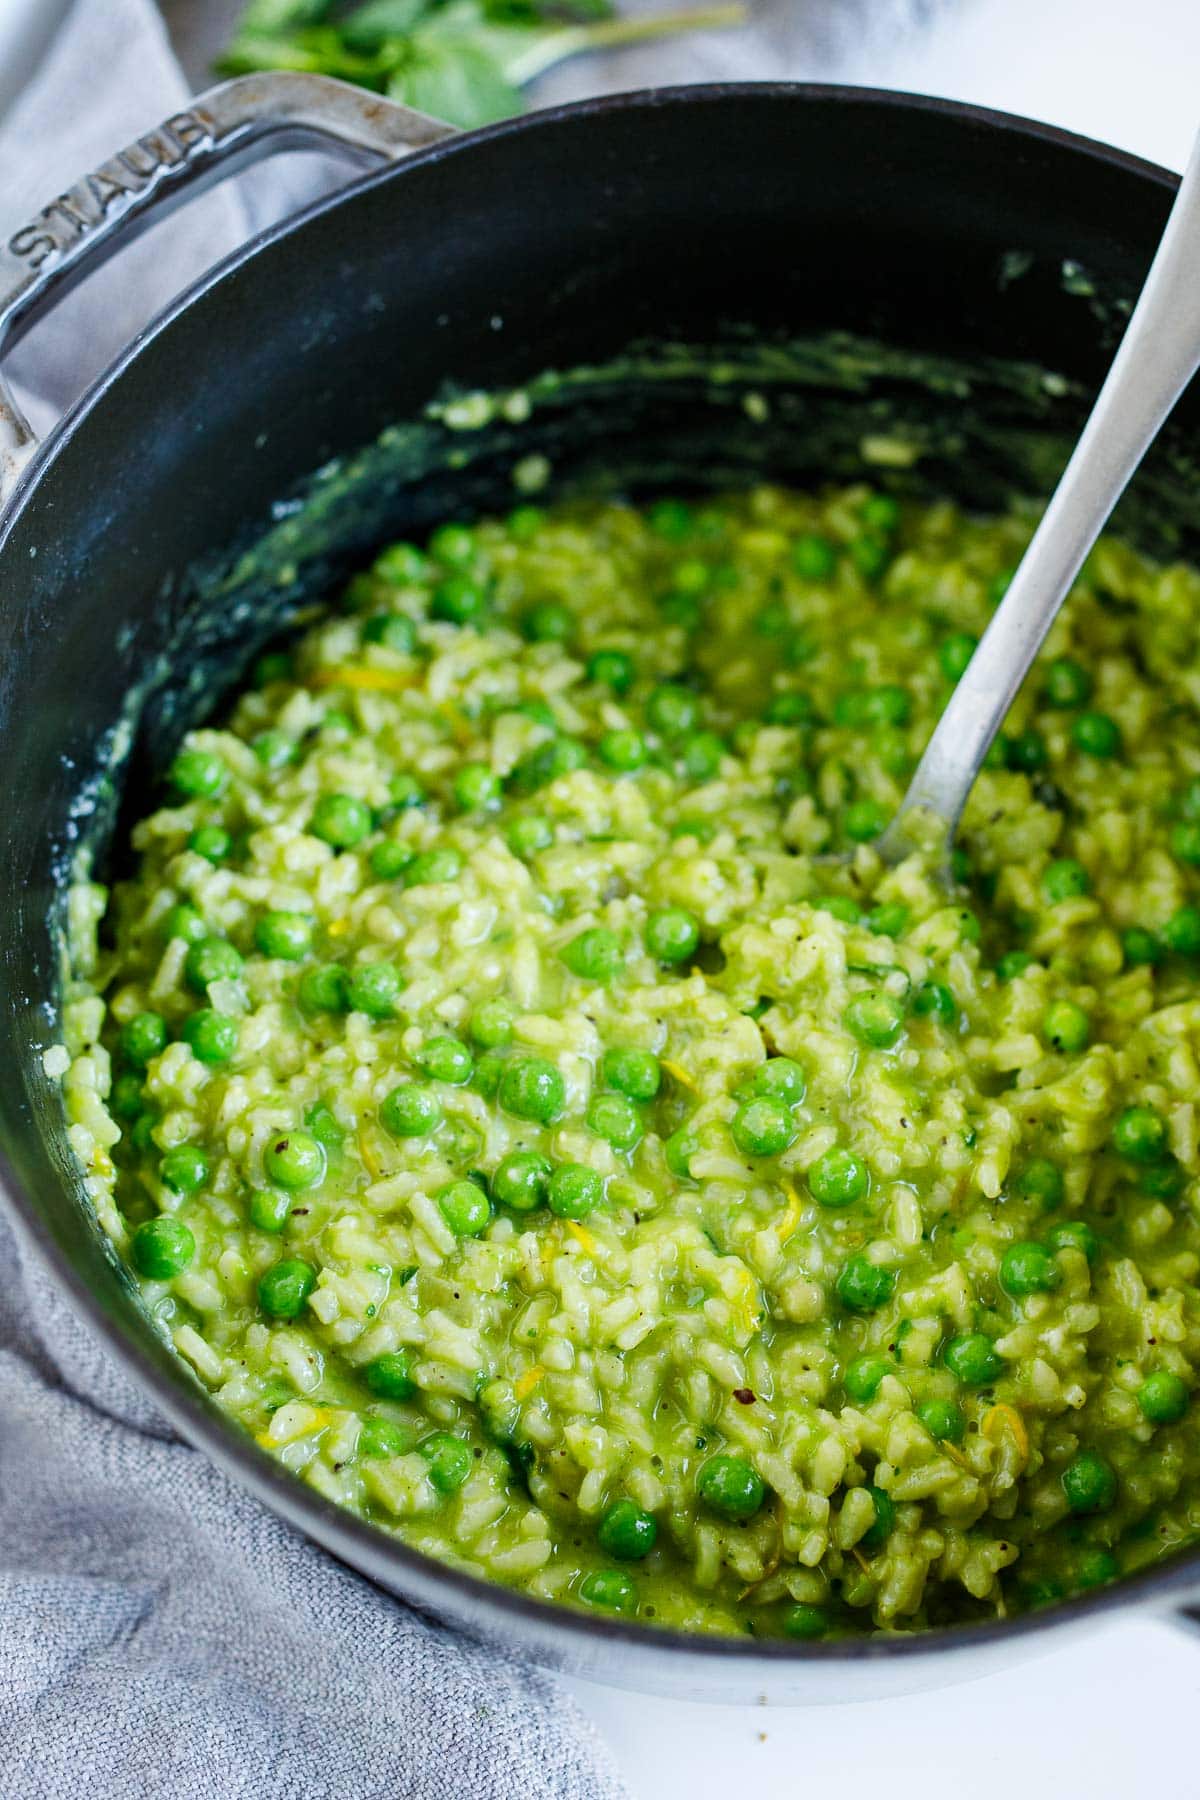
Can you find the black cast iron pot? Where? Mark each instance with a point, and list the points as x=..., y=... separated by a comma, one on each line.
x=689, y=252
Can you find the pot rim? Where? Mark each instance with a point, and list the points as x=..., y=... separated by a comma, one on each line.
x=508, y=1612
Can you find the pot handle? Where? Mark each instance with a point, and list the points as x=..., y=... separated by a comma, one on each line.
x=219, y=132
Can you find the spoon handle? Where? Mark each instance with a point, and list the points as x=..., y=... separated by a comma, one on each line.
x=1158, y=355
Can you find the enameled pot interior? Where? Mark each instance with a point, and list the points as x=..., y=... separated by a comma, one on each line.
x=700, y=289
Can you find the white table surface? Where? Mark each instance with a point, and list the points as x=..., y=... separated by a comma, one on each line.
x=1114, y=1715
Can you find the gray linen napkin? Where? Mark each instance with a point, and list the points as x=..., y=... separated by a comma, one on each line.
x=160, y=1631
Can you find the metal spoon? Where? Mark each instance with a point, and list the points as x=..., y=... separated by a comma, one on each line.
x=1158, y=356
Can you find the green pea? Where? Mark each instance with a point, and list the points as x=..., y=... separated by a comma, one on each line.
x=779, y=1078
x=881, y=512
x=526, y=523
x=379, y=1437
x=374, y=989
x=549, y=622
x=943, y=1420
x=492, y=1023
x=340, y=820
x=671, y=519
x=1026, y=753
x=622, y=750
x=401, y=564
x=574, y=1191
x=1141, y=949
x=162, y=1247
x=955, y=654
x=211, y=1036
x=197, y=774
x=1164, y=1180
x=410, y=1111
x=433, y=866
x=465, y=1208
x=863, y=1286
x=1094, y=1567
x=1041, y=1180
x=672, y=934
x=632, y=1072
x=763, y=1127
x=933, y=999
x=612, y=669
x=458, y=600
x=1096, y=734
x=862, y=1377
x=521, y=1181
x=611, y=1590
x=972, y=1358
x=446, y=1059
x=529, y=834
x=561, y=756
x=1012, y=964
x=805, y=1622
x=390, y=1376
x=273, y=749
x=616, y=1119
x=1185, y=840
x=1066, y=1027
x=393, y=631
x=476, y=788
x=389, y=860
x=703, y=830
x=1065, y=880
x=885, y=1519
x=405, y=792
x=702, y=754
x=672, y=710
x=212, y=842
x=870, y=555
x=294, y=1160
x=449, y=1459
x=269, y=1210
x=1163, y=1398
x=184, y=1169
x=838, y=1178
x=595, y=955
x=889, y=919
x=1181, y=933
x=183, y=922
x=1028, y=1269
x=324, y=989
x=1089, y=1484
x=533, y=1089
x=141, y=1132
x=864, y=820
x=839, y=906
x=142, y=1038
x=210, y=959
x=813, y=557
x=285, y=1286
x=678, y=1151
x=272, y=666
x=488, y=1070
x=876, y=1020
x=792, y=708
x=626, y=1531
x=286, y=935
x=1074, y=1234
x=1140, y=1133
x=731, y=1488
x=1067, y=683
x=127, y=1100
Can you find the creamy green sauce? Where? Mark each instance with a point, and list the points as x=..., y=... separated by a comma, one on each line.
x=528, y=1137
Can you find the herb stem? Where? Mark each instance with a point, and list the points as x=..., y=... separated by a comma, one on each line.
x=611, y=34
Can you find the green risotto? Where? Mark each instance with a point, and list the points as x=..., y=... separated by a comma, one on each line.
x=527, y=1134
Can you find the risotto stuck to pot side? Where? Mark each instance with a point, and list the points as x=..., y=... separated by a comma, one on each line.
x=529, y=1139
